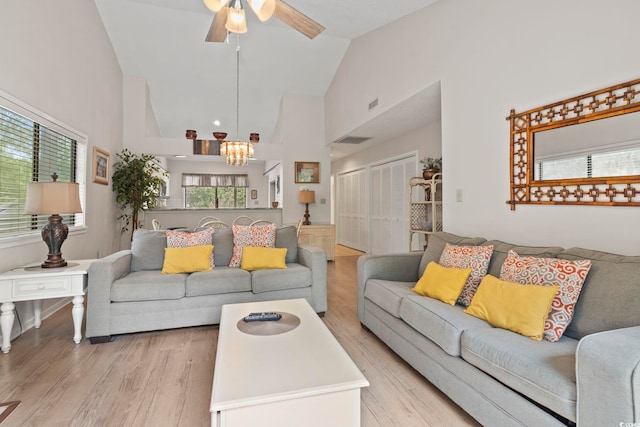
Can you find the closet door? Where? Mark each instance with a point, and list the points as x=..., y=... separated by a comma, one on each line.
x=389, y=221
x=352, y=210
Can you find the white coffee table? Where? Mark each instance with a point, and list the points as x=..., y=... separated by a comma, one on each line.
x=302, y=377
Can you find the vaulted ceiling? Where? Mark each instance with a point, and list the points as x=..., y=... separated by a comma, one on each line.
x=193, y=83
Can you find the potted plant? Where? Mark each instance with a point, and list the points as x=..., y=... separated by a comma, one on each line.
x=431, y=166
x=136, y=180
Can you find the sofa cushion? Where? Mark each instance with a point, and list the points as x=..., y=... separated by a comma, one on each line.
x=569, y=275
x=441, y=323
x=513, y=306
x=221, y=280
x=610, y=295
x=148, y=286
x=222, y=246
x=187, y=260
x=251, y=235
x=287, y=237
x=388, y=294
x=147, y=249
x=442, y=283
x=474, y=257
x=436, y=246
x=294, y=276
x=541, y=370
x=501, y=250
x=263, y=258
x=186, y=239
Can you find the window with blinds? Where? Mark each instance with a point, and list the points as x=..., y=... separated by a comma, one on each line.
x=32, y=148
x=615, y=162
x=214, y=190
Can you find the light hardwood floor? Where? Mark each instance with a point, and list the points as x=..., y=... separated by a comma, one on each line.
x=164, y=378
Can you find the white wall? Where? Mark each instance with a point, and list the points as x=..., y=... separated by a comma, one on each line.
x=301, y=131
x=492, y=56
x=426, y=140
x=58, y=59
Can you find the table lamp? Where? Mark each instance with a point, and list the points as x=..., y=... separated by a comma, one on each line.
x=306, y=197
x=53, y=198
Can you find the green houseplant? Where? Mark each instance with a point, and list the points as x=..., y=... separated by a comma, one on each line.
x=136, y=180
x=431, y=166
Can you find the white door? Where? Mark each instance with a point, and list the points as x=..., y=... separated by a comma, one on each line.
x=352, y=210
x=389, y=219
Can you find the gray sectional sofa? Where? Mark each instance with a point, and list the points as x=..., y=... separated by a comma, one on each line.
x=591, y=376
x=128, y=293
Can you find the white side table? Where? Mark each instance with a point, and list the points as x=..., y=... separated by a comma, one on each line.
x=35, y=284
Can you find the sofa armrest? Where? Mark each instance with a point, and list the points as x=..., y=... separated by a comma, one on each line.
x=101, y=275
x=402, y=267
x=315, y=259
x=608, y=378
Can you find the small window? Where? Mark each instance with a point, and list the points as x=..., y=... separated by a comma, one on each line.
x=214, y=191
x=32, y=148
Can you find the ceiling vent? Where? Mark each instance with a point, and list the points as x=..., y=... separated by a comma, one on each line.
x=352, y=139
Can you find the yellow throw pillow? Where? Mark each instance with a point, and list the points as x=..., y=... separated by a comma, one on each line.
x=442, y=283
x=508, y=305
x=187, y=260
x=258, y=258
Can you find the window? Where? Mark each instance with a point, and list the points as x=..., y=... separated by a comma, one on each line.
x=612, y=162
x=32, y=148
x=214, y=191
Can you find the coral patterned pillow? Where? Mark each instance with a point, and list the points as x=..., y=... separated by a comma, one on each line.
x=474, y=257
x=569, y=275
x=185, y=239
x=263, y=236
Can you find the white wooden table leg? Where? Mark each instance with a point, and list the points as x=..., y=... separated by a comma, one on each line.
x=6, y=324
x=76, y=312
x=37, y=313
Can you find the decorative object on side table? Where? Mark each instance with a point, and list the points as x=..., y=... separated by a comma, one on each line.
x=431, y=166
x=53, y=198
x=306, y=197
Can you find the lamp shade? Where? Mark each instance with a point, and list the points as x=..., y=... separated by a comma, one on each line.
x=215, y=5
x=307, y=196
x=263, y=8
x=53, y=198
x=236, y=21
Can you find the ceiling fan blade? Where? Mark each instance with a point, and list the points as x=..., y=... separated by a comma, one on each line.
x=297, y=20
x=218, y=32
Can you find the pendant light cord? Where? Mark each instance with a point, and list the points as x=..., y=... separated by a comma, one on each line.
x=238, y=88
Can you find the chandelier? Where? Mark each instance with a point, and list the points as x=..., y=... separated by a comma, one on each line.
x=237, y=152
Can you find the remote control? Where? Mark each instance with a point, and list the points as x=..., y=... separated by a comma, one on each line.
x=262, y=317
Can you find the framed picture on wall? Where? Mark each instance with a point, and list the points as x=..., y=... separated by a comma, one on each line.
x=254, y=194
x=100, y=166
x=307, y=172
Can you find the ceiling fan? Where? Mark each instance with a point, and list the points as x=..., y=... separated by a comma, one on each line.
x=230, y=17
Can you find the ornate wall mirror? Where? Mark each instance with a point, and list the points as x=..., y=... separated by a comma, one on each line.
x=581, y=151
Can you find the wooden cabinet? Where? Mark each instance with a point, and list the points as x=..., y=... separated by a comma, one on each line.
x=425, y=208
x=322, y=236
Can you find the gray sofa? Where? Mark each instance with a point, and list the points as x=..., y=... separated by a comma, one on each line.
x=128, y=293
x=591, y=376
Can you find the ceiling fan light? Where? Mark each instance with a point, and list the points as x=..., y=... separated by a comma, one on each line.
x=215, y=5
x=236, y=21
x=264, y=9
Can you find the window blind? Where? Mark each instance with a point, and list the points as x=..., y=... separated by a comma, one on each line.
x=214, y=180
x=30, y=151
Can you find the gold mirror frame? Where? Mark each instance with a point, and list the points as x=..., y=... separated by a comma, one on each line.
x=612, y=101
